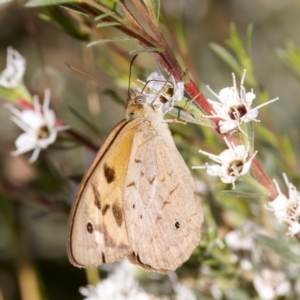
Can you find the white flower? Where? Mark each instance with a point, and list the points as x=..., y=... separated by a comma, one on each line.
x=119, y=285
x=232, y=163
x=271, y=284
x=12, y=76
x=234, y=107
x=241, y=246
x=287, y=209
x=181, y=292
x=39, y=127
x=235, y=240
x=161, y=92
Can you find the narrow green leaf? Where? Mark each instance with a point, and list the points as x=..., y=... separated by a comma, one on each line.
x=227, y=58
x=236, y=44
x=156, y=8
x=278, y=247
x=150, y=49
x=112, y=40
x=235, y=193
x=153, y=7
x=34, y=3
x=266, y=135
x=291, y=57
x=102, y=16
x=74, y=9
x=249, y=39
x=288, y=150
x=108, y=24
x=15, y=94
x=57, y=16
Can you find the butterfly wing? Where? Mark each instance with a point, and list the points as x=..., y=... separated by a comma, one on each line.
x=163, y=216
x=96, y=231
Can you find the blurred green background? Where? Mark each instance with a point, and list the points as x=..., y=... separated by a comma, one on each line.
x=34, y=207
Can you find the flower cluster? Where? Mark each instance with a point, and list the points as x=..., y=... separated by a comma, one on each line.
x=119, y=285
x=13, y=74
x=233, y=163
x=234, y=107
x=287, y=209
x=162, y=92
x=271, y=284
x=39, y=126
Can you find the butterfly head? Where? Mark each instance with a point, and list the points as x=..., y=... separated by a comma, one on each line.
x=136, y=105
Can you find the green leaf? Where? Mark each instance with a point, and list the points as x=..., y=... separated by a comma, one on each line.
x=102, y=16
x=108, y=24
x=149, y=49
x=291, y=57
x=236, y=44
x=153, y=7
x=266, y=135
x=15, y=94
x=288, y=150
x=156, y=8
x=227, y=58
x=111, y=40
x=278, y=247
x=189, y=112
x=235, y=193
x=64, y=21
x=74, y=9
x=34, y=3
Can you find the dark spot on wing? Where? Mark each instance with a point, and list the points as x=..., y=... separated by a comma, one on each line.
x=103, y=258
x=118, y=214
x=109, y=173
x=163, y=179
x=174, y=189
x=142, y=173
x=105, y=208
x=89, y=227
x=131, y=184
x=177, y=224
x=151, y=180
x=141, y=216
x=97, y=201
x=138, y=161
x=165, y=203
x=157, y=220
x=133, y=205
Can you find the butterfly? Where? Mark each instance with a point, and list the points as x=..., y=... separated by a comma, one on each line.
x=137, y=199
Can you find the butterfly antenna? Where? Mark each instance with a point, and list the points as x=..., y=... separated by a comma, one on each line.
x=90, y=77
x=130, y=68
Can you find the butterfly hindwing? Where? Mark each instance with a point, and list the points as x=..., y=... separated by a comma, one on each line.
x=162, y=214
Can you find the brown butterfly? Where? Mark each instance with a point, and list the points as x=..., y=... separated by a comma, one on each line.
x=137, y=198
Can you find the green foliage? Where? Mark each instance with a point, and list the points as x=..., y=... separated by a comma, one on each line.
x=280, y=247
x=56, y=16
x=291, y=57
x=243, y=58
x=37, y=3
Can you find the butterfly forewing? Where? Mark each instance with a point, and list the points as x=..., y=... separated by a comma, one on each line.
x=97, y=231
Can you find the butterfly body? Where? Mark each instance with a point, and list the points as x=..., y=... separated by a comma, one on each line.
x=137, y=198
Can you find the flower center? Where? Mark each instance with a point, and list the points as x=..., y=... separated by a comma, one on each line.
x=235, y=167
x=169, y=91
x=43, y=132
x=236, y=112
